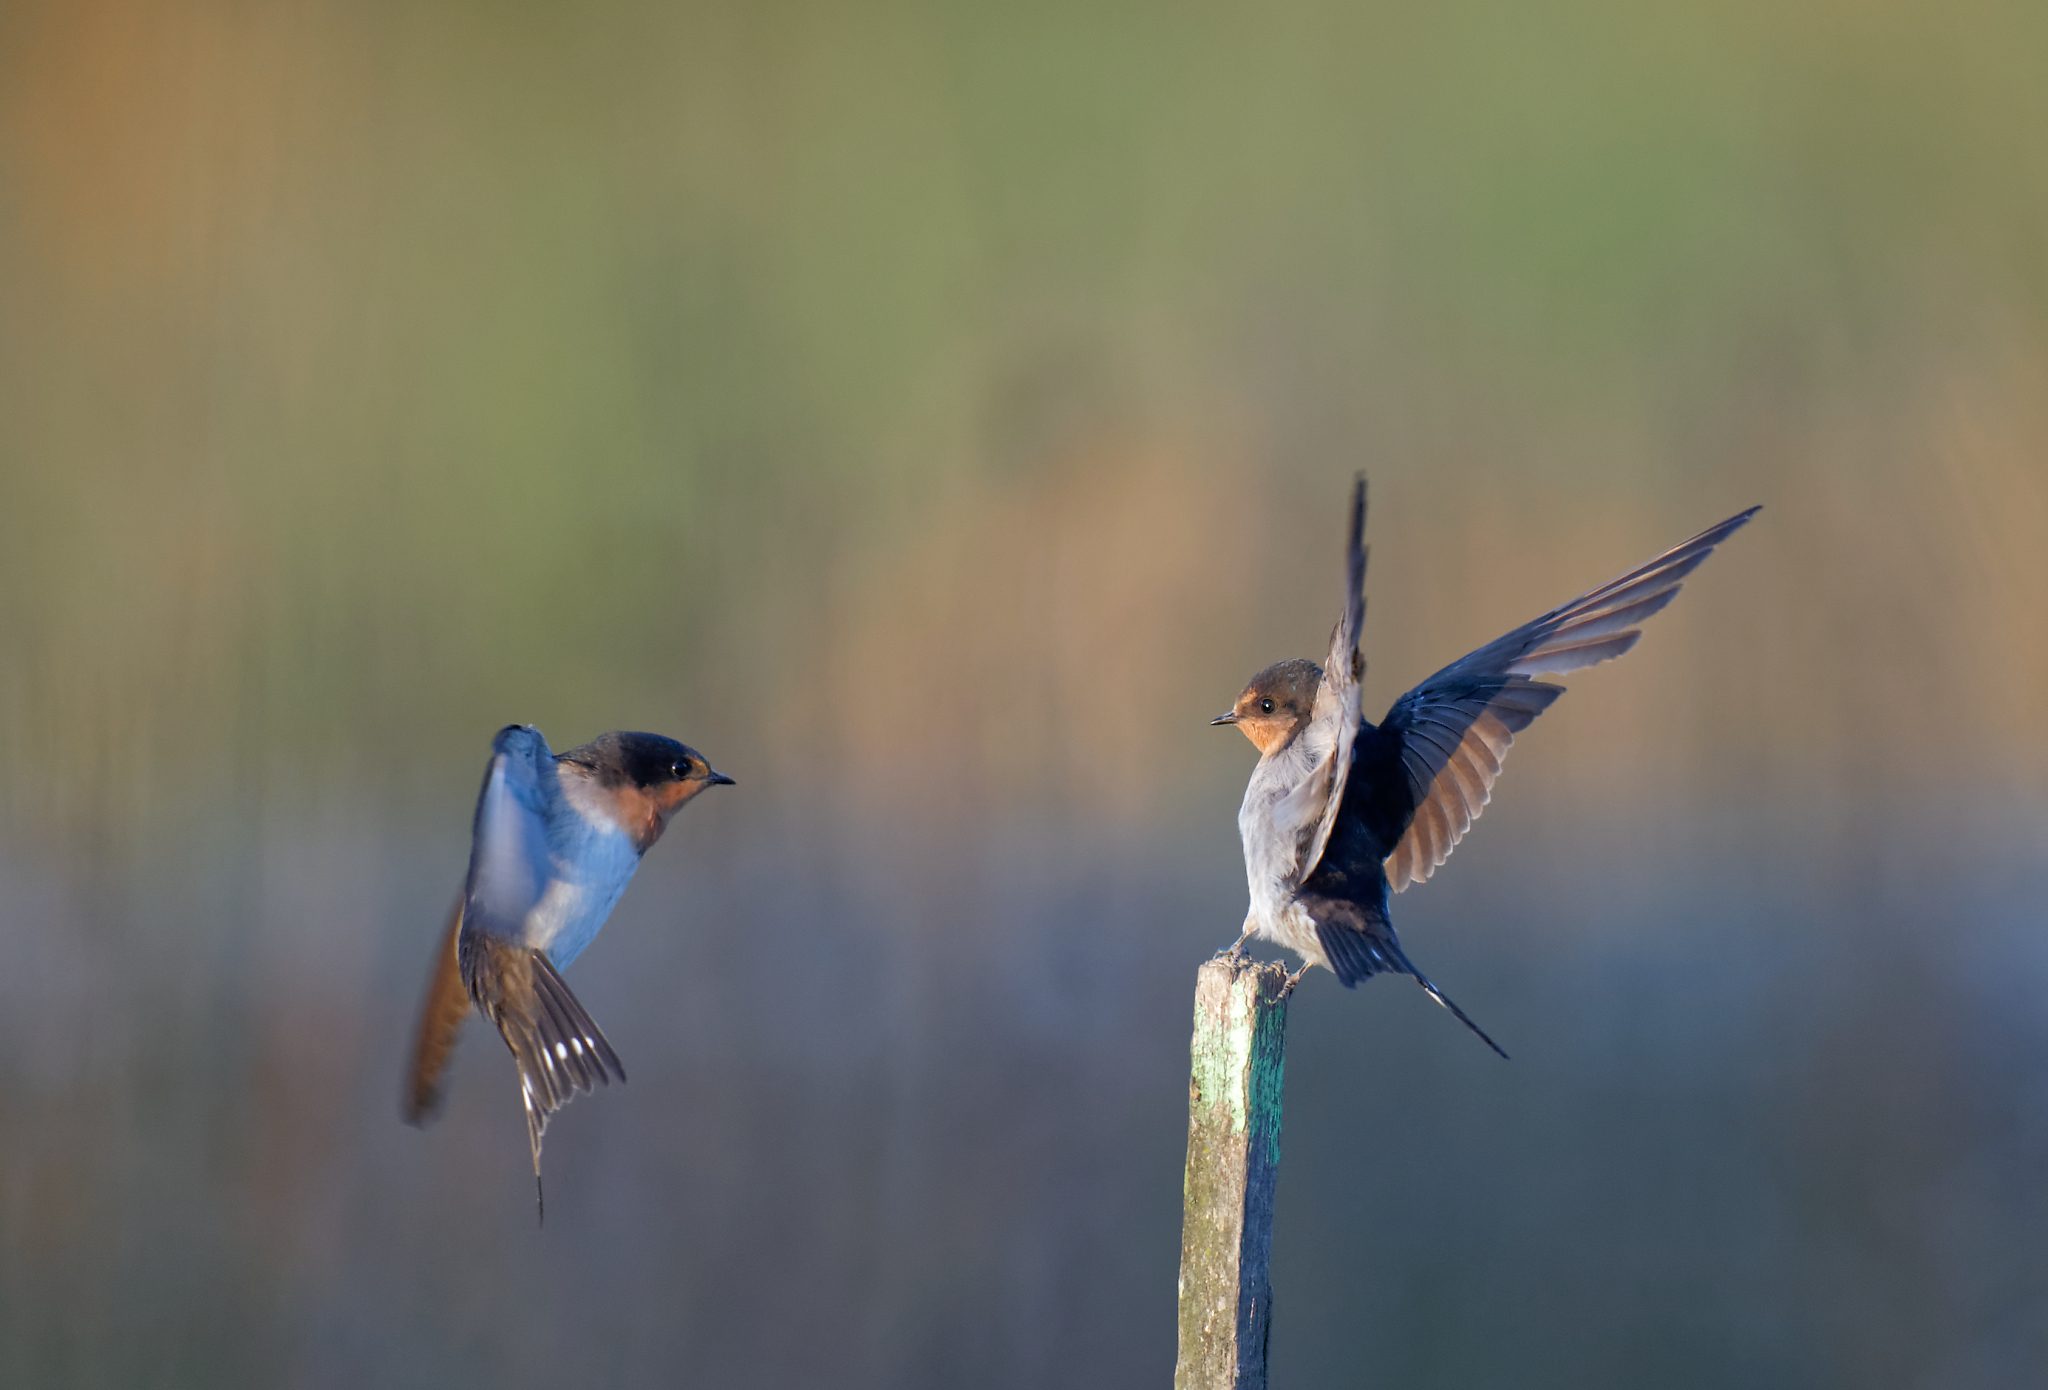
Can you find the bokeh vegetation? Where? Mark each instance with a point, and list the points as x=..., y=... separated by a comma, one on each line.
x=934, y=411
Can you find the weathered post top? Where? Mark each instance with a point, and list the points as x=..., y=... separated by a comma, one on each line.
x=1226, y=1296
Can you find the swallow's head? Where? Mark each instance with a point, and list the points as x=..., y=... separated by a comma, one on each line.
x=649, y=777
x=1276, y=704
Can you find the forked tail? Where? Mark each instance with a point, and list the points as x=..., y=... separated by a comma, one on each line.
x=1359, y=943
x=1444, y=999
x=559, y=1050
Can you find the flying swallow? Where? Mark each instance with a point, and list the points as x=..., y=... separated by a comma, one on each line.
x=1341, y=812
x=555, y=842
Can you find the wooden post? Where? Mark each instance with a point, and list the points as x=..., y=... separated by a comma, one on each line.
x=1226, y=1292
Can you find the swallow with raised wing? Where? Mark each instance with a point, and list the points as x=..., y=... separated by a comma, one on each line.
x=1341, y=812
x=555, y=842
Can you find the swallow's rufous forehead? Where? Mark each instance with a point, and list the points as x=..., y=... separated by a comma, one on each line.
x=1287, y=683
x=1277, y=704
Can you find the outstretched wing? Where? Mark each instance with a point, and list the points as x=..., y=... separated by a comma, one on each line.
x=509, y=861
x=442, y=1011
x=1338, y=712
x=1454, y=729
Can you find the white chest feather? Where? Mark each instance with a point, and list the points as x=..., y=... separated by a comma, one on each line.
x=1280, y=807
x=593, y=861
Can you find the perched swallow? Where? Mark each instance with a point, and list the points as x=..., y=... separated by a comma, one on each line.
x=555, y=842
x=1340, y=811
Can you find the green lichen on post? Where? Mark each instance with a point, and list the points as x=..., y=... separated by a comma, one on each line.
x=1219, y=1052
x=1237, y=1066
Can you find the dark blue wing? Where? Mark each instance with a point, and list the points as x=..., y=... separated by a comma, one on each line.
x=509, y=861
x=1452, y=731
x=1339, y=713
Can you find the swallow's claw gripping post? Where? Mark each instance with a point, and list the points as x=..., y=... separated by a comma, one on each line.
x=1235, y=950
x=1292, y=980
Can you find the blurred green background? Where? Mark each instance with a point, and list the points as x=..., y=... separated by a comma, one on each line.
x=934, y=412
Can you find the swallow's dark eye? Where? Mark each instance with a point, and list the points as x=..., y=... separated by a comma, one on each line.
x=678, y=771
x=1265, y=706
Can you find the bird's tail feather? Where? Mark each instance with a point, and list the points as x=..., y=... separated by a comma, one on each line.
x=1444, y=999
x=1359, y=944
x=559, y=1049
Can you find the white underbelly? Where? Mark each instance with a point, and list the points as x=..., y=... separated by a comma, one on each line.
x=1270, y=824
x=591, y=872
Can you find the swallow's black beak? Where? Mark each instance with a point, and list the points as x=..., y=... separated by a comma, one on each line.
x=1230, y=718
x=719, y=779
